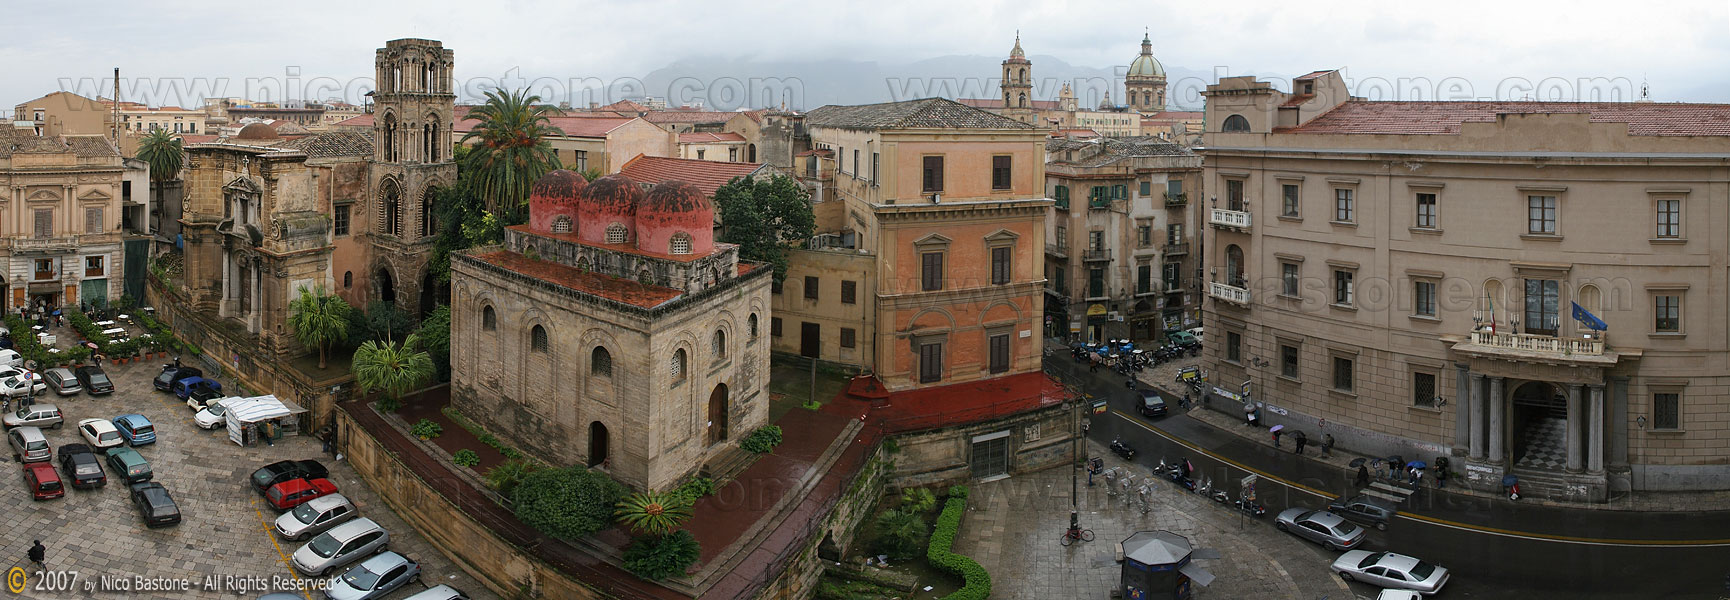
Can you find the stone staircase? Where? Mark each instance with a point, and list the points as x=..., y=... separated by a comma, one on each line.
x=1541, y=484
x=728, y=465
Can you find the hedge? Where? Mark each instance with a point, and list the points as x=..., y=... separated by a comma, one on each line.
x=978, y=582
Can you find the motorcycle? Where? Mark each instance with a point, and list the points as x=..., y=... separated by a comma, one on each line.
x=1122, y=450
x=1250, y=508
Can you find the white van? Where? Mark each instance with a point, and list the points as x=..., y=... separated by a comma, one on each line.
x=11, y=358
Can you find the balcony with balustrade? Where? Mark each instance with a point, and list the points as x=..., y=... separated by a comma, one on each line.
x=1234, y=294
x=1504, y=343
x=1096, y=255
x=1057, y=251
x=1176, y=249
x=1178, y=200
x=1229, y=219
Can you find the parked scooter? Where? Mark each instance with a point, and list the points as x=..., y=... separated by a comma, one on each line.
x=1250, y=507
x=1123, y=450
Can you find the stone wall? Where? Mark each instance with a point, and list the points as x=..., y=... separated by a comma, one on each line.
x=1037, y=440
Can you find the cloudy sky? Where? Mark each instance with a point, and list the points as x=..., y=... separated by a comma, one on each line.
x=1497, y=49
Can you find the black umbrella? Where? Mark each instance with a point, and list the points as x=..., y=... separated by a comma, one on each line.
x=1299, y=435
x=1358, y=462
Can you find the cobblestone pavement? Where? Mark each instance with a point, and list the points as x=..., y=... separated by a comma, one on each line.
x=1013, y=528
x=225, y=527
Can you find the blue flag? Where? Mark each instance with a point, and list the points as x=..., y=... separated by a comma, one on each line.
x=1586, y=317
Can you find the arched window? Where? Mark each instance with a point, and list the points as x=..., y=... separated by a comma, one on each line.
x=562, y=224
x=1022, y=76
x=427, y=222
x=645, y=277
x=601, y=362
x=390, y=138
x=680, y=244
x=616, y=234
x=489, y=320
x=718, y=345
x=1234, y=266
x=390, y=207
x=426, y=142
x=538, y=339
x=582, y=263
x=347, y=279
x=678, y=365
x=1022, y=102
x=752, y=329
x=1235, y=123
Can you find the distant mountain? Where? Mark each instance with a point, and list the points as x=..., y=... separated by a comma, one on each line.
x=731, y=83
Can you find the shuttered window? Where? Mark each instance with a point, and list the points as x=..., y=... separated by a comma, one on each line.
x=1000, y=353
x=44, y=222
x=931, y=271
x=93, y=220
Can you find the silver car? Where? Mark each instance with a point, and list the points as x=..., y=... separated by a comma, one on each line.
x=315, y=516
x=374, y=578
x=29, y=445
x=1322, y=527
x=439, y=592
x=341, y=545
x=46, y=416
x=62, y=381
x=1390, y=570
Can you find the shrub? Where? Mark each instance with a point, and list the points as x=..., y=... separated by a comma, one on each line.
x=978, y=581
x=466, y=458
x=763, y=440
x=695, y=488
x=900, y=534
x=389, y=404
x=567, y=503
x=658, y=557
x=917, y=499
x=426, y=429
x=812, y=405
x=505, y=476
x=654, y=514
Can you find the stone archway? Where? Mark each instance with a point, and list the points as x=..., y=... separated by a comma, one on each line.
x=433, y=293
x=385, y=284
x=598, y=444
x=1538, y=420
x=718, y=414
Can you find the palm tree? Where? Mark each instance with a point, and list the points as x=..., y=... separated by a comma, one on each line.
x=391, y=368
x=511, y=150
x=654, y=514
x=162, y=151
x=318, y=319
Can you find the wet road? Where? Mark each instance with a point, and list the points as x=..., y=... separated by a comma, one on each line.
x=1496, y=549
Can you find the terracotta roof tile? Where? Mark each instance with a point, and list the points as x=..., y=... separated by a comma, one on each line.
x=1312, y=75
x=588, y=282
x=995, y=103
x=1444, y=118
x=710, y=137
x=707, y=175
x=327, y=145
x=688, y=116
x=927, y=113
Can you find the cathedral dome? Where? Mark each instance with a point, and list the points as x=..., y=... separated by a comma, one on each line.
x=676, y=218
x=257, y=131
x=609, y=203
x=1146, y=65
x=553, y=201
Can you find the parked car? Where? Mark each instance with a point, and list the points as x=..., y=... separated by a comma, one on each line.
x=1398, y=595
x=136, y=429
x=439, y=592
x=155, y=505
x=374, y=578
x=128, y=464
x=36, y=415
x=1390, y=570
x=171, y=374
x=278, y=472
x=1182, y=338
x=294, y=492
x=100, y=433
x=63, y=381
x=94, y=379
x=315, y=516
x=184, y=388
x=43, y=482
x=1151, y=404
x=11, y=358
x=1365, y=509
x=81, y=467
x=29, y=445
x=1330, y=530
x=201, y=396
x=22, y=383
x=343, y=544
x=211, y=416
x=1197, y=332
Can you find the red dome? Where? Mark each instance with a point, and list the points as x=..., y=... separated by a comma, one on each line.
x=555, y=195
x=671, y=209
x=608, y=201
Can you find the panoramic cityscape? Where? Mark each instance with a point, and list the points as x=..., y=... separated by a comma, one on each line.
x=938, y=302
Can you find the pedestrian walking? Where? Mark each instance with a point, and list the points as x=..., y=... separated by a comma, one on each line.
x=1327, y=445
x=1301, y=440
x=96, y=360
x=176, y=362
x=1276, y=435
x=1363, y=476
x=1441, y=478
x=39, y=553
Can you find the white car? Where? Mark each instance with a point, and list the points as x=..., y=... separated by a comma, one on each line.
x=212, y=415
x=1399, y=595
x=100, y=433
x=1390, y=570
x=22, y=383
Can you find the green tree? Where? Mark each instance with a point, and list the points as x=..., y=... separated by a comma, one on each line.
x=658, y=557
x=567, y=503
x=391, y=368
x=901, y=534
x=654, y=514
x=505, y=476
x=162, y=151
x=435, y=337
x=510, y=150
x=319, y=319
x=765, y=218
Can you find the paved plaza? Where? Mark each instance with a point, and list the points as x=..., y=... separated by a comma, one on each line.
x=225, y=528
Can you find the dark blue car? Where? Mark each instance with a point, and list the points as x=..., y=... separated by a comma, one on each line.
x=184, y=388
x=136, y=429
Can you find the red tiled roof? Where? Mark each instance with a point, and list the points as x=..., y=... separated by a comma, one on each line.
x=710, y=137
x=687, y=116
x=1312, y=75
x=625, y=106
x=707, y=175
x=1297, y=99
x=959, y=404
x=188, y=139
x=587, y=127
x=590, y=282
x=989, y=103
x=1441, y=118
x=360, y=121
x=746, y=267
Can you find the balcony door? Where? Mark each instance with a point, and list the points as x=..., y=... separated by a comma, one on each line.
x=1234, y=266
x=1543, y=305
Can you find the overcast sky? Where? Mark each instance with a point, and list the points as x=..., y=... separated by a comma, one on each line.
x=1681, y=48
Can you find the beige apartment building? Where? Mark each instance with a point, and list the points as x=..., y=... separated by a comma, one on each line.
x=1118, y=263
x=1401, y=275
x=71, y=203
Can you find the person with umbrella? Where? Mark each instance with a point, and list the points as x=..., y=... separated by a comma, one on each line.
x=1277, y=430
x=1301, y=440
x=1363, y=472
x=1416, y=470
x=1327, y=445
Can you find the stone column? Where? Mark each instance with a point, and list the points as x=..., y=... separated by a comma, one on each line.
x=1476, y=411
x=1462, y=416
x=1595, y=441
x=1497, y=408
x=1619, y=422
x=1574, y=428
x=222, y=305
x=257, y=296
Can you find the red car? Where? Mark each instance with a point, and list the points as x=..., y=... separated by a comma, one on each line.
x=43, y=482
x=295, y=492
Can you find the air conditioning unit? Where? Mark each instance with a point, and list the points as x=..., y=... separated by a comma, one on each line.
x=935, y=198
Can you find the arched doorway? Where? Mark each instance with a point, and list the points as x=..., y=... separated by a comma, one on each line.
x=1234, y=266
x=597, y=444
x=718, y=414
x=385, y=285
x=433, y=293
x=1539, y=422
